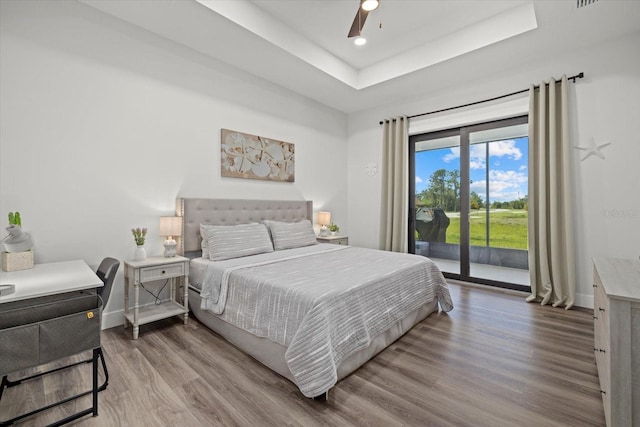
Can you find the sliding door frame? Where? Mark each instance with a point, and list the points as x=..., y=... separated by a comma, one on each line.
x=463, y=132
x=412, y=179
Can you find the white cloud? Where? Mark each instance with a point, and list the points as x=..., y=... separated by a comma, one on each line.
x=516, y=178
x=419, y=180
x=505, y=196
x=478, y=153
x=454, y=154
x=505, y=148
x=478, y=186
x=503, y=185
x=476, y=164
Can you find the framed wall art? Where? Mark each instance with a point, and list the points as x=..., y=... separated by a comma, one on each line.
x=256, y=157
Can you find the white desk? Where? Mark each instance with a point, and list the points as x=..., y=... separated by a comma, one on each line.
x=48, y=279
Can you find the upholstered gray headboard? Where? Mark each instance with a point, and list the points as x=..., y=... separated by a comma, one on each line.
x=232, y=212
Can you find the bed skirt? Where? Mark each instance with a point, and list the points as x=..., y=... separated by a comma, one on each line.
x=272, y=354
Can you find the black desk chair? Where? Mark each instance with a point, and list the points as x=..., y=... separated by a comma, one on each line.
x=107, y=272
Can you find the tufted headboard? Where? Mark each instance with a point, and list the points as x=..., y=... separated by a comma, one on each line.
x=232, y=212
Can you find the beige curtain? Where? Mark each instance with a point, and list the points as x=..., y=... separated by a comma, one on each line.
x=551, y=247
x=395, y=185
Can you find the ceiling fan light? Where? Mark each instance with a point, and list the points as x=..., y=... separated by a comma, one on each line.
x=369, y=5
x=360, y=41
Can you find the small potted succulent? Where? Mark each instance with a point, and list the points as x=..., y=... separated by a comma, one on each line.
x=333, y=228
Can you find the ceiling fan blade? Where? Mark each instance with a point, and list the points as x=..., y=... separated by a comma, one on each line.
x=358, y=23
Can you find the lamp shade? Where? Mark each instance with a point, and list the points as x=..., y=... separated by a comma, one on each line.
x=324, y=218
x=170, y=226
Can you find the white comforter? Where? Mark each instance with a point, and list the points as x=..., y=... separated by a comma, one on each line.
x=323, y=302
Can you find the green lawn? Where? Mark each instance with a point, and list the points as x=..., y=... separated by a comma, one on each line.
x=507, y=228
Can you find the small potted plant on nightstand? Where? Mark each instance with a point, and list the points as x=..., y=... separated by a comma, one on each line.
x=333, y=228
x=139, y=235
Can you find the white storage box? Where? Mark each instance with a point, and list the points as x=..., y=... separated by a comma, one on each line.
x=14, y=261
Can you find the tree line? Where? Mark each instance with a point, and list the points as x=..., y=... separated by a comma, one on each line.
x=444, y=192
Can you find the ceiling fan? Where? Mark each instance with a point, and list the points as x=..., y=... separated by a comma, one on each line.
x=364, y=8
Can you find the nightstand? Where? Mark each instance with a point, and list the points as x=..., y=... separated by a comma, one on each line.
x=137, y=273
x=336, y=240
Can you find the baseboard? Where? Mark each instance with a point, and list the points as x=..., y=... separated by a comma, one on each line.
x=582, y=300
x=113, y=319
x=489, y=288
x=116, y=318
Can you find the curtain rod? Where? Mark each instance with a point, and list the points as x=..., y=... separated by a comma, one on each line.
x=572, y=78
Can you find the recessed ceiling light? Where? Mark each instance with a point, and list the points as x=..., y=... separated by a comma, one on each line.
x=359, y=41
x=370, y=5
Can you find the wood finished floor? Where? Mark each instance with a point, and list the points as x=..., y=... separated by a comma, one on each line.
x=493, y=361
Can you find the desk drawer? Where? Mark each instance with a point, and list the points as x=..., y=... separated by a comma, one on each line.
x=148, y=274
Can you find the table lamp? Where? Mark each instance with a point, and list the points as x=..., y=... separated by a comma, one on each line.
x=324, y=219
x=170, y=226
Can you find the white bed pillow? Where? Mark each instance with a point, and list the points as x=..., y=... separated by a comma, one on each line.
x=289, y=235
x=204, y=244
x=234, y=241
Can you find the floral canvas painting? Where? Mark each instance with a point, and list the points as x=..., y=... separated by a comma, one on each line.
x=256, y=157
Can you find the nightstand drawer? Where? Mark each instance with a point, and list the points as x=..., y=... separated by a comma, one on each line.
x=341, y=241
x=335, y=240
x=148, y=274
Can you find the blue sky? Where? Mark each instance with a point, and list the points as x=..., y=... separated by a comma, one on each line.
x=507, y=168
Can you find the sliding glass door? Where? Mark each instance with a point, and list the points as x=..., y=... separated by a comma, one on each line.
x=435, y=221
x=469, y=204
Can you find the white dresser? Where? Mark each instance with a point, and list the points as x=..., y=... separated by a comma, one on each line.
x=616, y=313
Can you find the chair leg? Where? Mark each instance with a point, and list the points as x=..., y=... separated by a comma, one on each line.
x=104, y=368
x=4, y=384
x=97, y=354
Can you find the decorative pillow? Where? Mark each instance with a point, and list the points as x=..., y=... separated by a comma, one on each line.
x=234, y=241
x=289, y=235
x=205, y=244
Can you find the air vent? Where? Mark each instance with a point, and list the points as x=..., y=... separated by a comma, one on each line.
x=583, y=3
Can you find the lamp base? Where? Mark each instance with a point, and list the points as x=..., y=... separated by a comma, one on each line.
x=169, y=248
x=324, y=231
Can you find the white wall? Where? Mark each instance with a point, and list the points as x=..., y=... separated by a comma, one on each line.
x=606, y=106
x=103, y=125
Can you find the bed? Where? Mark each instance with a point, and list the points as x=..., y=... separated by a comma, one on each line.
x=312, y=312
